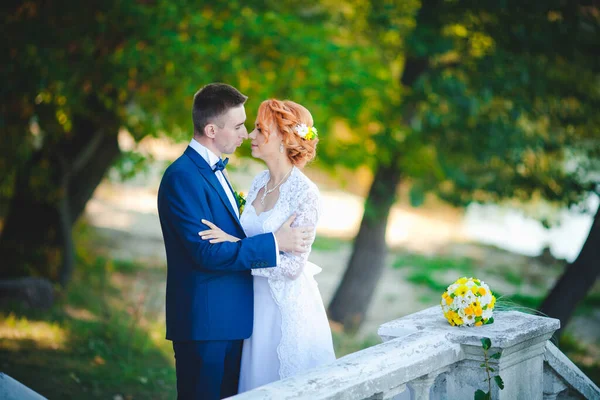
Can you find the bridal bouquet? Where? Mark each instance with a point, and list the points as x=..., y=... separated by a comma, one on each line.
x=468, y=302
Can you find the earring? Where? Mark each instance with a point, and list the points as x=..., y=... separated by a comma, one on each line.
x=281, y=147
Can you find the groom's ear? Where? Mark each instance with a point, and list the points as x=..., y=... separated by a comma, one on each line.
x=209, y=131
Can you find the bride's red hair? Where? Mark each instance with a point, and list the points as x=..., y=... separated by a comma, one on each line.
x=285, y=116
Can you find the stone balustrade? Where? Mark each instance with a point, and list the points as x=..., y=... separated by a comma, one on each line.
x=423, y=357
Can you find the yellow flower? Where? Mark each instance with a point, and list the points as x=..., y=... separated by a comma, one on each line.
x=469, y=310
x=449, y=300
x=491, y=305
x=462, y=290
x=481, y=291
x=478, y=323
x=462, y=281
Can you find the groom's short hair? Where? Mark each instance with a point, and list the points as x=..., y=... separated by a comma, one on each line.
x=212, y=101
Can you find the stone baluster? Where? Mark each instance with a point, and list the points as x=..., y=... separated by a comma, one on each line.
x=520, y=338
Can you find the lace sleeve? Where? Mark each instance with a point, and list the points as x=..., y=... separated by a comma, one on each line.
x=290, y=265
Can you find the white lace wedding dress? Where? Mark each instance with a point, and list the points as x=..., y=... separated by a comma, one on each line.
x=291, y=332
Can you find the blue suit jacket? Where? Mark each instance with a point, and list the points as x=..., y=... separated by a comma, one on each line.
x=209, y=286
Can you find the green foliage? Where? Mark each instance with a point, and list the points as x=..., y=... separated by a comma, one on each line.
x=499, y=380
x=462, y=265
x=481, y=395
x=346, y=343
x=486, y=345
x=328, y=243
x=485, y=101
x=94, y=343
x=136, y=65
x=579, y=353
x=473, y=101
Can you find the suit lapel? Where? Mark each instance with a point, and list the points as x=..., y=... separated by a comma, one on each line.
x=226, y=175
x=211, y=178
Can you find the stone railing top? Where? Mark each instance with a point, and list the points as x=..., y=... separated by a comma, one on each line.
x=509, y=327
x=11, y=389
x=570, y=373
x=384, y=368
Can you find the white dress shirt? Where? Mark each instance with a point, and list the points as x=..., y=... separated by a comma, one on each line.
x=212, y=159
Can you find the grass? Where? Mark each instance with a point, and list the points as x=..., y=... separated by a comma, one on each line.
x=345, y=343
x=463, y=265
x=580, y=355
x=422, y=270
x=428, y=271
x=93, y=343
x=328, y=243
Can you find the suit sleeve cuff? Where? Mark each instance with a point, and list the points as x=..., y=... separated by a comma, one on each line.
x=276, y=249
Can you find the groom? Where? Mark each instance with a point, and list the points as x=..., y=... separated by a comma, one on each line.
x=209, y=302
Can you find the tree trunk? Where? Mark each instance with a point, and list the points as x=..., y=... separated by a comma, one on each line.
x=354, y=293
x=577, y=280
x=50, y=193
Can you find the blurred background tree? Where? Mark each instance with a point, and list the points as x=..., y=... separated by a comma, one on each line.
x=490, y=102
x=77, y=73
x=469, y=101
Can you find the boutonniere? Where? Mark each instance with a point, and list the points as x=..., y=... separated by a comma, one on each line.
x=241, y=200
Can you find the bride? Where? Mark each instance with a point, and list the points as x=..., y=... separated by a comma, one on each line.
x=291, y=331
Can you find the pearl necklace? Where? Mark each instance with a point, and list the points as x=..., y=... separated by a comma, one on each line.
x=266, y=192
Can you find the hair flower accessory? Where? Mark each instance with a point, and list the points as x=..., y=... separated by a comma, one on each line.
x=306, y=132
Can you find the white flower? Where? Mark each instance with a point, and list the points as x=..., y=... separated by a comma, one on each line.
x=302, y=130
x=486, y=314
x=470, y=284
x=470, y=297
x=485, y=300
x=452, y=288
x=461, y=302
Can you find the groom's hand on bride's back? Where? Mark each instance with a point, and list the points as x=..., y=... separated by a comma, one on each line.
x=294, y=240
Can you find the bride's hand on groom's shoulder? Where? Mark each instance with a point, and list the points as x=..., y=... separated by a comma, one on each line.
x=294, y=240
x=215, y=234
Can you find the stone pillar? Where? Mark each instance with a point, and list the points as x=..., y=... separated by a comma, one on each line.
x=421, y=387
x=519, y=337
x=553, y=385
